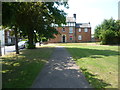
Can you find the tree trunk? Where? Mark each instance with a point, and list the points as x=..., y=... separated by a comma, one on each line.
x=30, y=39
x=35, y=37
x=16, y=40
x=39, y=41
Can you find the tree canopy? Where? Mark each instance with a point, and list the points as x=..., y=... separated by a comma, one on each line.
x=34, y=17
x=108, y=31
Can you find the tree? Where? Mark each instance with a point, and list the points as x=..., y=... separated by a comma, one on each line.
x=37, y=16
x=9, y=16
x=107, y=37
x=97, y=31
x=108, y=32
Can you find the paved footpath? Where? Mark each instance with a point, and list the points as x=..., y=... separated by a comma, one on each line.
x=60, y=72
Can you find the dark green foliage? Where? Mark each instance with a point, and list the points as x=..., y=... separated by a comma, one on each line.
x=108, y=37
x=28, y=46
x=44, y=40
x=97, y=31
x=9, y=19
x=29, y=17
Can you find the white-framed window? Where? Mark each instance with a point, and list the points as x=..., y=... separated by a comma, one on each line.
x=63, y=29
x=79, y=29
x=85, y=29
x=80, y=37
x=72, y=24
x=70, y=29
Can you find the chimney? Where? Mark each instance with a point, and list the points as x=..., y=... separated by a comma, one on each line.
x=74, y=15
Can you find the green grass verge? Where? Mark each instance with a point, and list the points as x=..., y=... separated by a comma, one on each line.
x=99, y=63
x=20, y=71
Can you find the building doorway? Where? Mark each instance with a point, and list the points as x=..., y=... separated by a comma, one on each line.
x=63, y=38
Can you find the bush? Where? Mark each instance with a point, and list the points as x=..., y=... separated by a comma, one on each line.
x=29, y=46
x=44, y=40
x=108, y=37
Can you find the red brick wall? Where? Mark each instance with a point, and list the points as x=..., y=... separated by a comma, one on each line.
x=66, y=33
x=86, y=36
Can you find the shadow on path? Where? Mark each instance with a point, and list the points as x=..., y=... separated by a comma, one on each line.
x=61, y=72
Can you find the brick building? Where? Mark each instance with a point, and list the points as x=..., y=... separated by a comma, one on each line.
x=73, y=32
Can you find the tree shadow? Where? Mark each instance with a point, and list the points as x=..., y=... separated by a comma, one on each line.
x=17, y=68
x=93, y=80
x=70, y=76
x=92, y=53
x=15, y=64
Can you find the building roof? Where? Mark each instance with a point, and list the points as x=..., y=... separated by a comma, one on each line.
x=82, y=25
x=70, y=19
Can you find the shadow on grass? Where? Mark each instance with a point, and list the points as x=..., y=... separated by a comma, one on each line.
x=78, y=53
x=19, y=71
x=93, y=80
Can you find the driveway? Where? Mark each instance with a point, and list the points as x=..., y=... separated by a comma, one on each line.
x=8, y=49
x=60, y=72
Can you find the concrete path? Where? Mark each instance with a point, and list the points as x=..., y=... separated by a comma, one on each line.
x=60, y=72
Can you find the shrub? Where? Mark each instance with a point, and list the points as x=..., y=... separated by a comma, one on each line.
x=108, y=37
x=29, y=46
x=44, y=40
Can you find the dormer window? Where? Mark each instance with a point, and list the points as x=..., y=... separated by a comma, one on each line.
x=73, y=24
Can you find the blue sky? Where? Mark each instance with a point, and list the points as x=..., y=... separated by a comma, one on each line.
x=93, y=11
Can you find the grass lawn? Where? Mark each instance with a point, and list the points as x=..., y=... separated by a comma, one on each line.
x=99, y=63
x=19, y=71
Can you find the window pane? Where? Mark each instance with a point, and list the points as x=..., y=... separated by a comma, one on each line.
x=85, y=30
x=70, y=29
x=63, y=30
x=71, y=37
x=70, y=24
x=79, y=29
x=79, y=37
x=74, y=24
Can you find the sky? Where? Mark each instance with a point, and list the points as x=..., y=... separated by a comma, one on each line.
x=93, y=11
